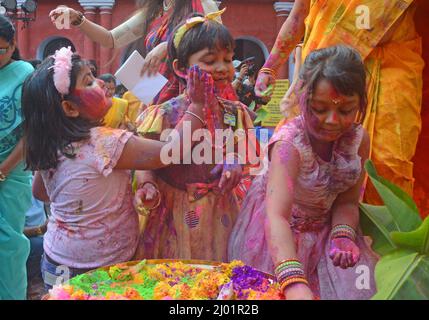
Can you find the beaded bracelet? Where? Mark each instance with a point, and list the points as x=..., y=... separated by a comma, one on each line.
x=80, y=20
x=343, y=231
x=286, y=264
x=292, y=281
x=289, y=271
x=288, y=275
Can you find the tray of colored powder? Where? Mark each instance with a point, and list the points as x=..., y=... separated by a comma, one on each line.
x=166, y=279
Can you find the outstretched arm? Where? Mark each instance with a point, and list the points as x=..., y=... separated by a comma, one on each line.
x=290, y=34
x=145, y=154
x=122, y=35
x=345, y=215
x=282, y=176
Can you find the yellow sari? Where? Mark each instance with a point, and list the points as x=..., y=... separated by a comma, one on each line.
x=123, y=113
x=394, y=76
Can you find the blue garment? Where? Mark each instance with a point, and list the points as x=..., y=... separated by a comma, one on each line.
x=15, y=192
x=55, y=274
x=35, y=216
x=34, y=259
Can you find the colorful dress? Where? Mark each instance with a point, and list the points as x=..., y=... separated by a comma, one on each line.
x=318, y=185
x=15, y=192
x=158, y=31
x=394, y=64
x=93, y=222
x=194, y=220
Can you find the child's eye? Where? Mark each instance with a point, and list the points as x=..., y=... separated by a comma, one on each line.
x=348, y=111
x=318, y=110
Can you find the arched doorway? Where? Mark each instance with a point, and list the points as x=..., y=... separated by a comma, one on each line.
x=247, y=46
x=51, y=44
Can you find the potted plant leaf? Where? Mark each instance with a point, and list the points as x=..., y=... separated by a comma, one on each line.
x=401, y=239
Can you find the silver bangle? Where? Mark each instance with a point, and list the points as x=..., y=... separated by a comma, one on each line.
x=196, y=116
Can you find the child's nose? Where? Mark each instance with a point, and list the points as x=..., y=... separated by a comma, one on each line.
x=221, y=67
x=101, y=83
x=332, y=118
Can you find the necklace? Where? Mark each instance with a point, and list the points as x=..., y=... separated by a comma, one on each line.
x=167, y=5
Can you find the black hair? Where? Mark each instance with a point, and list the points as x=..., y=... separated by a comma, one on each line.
x=120, y=90
x=342, y=66
x=107, y=77
x=152, y=8
x=93, y=63
x=35, y=63
x=7, y=32
x=48, y=131
x=210, y=34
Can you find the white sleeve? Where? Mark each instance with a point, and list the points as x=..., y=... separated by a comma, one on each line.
x=129, y=31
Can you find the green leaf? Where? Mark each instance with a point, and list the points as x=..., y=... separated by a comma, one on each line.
x=262, y=114
x=417, y=240
x=377, y=222
x=400, y=205
x=403, y=274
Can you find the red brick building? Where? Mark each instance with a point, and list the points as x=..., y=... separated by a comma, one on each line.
x=254, y=23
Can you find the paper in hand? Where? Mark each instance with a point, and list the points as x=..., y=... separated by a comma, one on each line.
x=143, y=87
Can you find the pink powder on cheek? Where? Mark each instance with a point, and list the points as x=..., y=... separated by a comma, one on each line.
x=94, y=102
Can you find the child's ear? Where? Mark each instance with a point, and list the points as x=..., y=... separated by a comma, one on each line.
x=180, y=72
x=70, y=109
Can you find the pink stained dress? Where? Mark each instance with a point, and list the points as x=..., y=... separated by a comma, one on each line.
x=93, y=222
x=318, y=185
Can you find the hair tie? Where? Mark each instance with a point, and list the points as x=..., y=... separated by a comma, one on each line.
x=192, y=22
x=62, y=68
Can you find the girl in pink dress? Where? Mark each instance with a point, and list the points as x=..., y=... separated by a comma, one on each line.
x=301, y=219
x=84, y=168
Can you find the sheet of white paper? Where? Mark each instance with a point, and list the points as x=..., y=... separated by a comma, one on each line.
x=145, y=88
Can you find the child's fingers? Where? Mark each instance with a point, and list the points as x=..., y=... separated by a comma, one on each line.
x=190, y=79
x=216, y=170
x=225, y=181
x=337, y=258
x=343, y=260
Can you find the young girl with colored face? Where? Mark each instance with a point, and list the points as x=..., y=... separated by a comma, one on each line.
x=300, y=221
x=197, y=209
x=146, y=31
x=83, y=168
